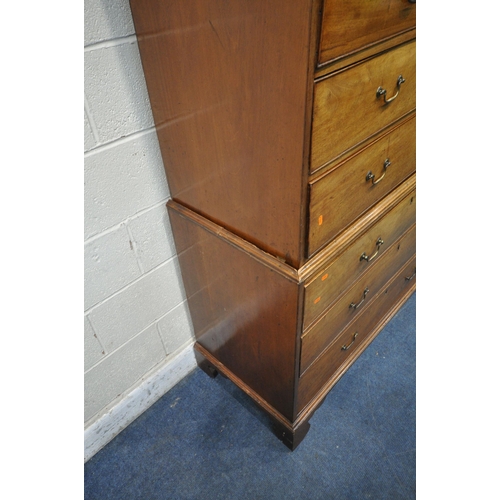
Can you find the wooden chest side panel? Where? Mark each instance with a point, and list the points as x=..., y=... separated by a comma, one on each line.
x=228, y=83
x=244, y=313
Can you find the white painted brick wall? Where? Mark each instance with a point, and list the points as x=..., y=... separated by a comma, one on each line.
x=121, y=180
x=174, y=327
x=135, y=313
x=89, y=140
x=115, y=374
x=114, y=87
x=132, y=309
x=106, y=20
x=152, y=235
x=94, y=351
x=110, y=264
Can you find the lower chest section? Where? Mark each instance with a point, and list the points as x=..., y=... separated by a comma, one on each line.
x=285, y=336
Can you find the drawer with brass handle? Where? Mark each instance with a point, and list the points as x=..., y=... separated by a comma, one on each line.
x=342, y=352
x=340, y=196
x=353, y=105
x=328, y=284
x=292, y=179
x=352, y=25
x=357, y=297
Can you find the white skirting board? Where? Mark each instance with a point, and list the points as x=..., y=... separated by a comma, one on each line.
x=103, y=430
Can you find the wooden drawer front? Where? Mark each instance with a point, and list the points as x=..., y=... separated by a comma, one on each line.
x=357, y=298
x=338, y=198
x=352, y=25
x=326, y=286
x=335, y=360
x=347, y=110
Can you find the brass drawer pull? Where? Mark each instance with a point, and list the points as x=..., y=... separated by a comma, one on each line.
x=381, y=91
x=345, y=347
x=409, y=278
x=355, y=306
x=380, y=242
x=371, y=176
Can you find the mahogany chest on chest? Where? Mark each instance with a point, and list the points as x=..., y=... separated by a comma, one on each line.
x=287, y=131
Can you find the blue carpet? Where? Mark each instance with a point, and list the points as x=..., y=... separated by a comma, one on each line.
x=206, y=439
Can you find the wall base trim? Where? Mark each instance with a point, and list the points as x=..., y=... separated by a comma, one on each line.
x=105, y=428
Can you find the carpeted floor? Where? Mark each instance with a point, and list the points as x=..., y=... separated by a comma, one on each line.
x=206, y=439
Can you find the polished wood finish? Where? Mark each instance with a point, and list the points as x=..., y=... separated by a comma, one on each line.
x=292, y=437
x=243, y=312
x=365, y=53
x=341, y=312
x=352, y=25
x=340, y=196
x=326, y=285
x=313, y=404
x=347, y=111
x=266, y=259
x=334, y=359
x=228, y=84
x=267, y=139
x=238, y=326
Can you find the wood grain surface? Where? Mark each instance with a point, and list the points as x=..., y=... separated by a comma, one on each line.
x=228, y=83
x=338, y=198
x=243, y=312
x=347, y=110
x=336, y=274
x=351, y=25
x=328, y=326
x=334, y=359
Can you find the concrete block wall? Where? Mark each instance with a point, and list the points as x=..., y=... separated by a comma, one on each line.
x=135, y=314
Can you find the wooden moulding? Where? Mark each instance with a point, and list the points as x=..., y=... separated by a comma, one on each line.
x=323, y=288
x=365, y=53
x=247, y=310
x=352, y=28
x=356, y=149
x=347, y=111
x=307, y=403
x=340, y=195
x=317, y=262
x=320, y=333
x=244, y=309
x=252, y=250
x=291, y=435
x=292, y=432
